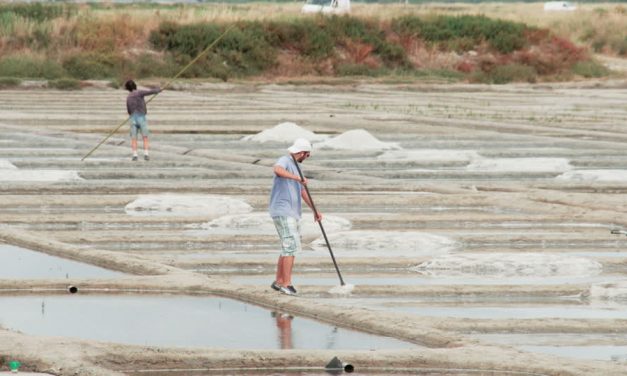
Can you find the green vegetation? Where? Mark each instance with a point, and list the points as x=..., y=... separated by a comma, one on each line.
x=61, y=41
x=464, y=32
x=8, y=82
x=590, y=69
x=507, y=73
x=29, y=66
x=38, y=12
x=65, y=84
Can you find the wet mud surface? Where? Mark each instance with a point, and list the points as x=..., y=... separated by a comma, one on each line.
x=478, y=226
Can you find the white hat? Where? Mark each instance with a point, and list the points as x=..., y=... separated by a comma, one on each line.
x=299, y=145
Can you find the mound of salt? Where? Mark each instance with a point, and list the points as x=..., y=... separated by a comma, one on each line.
x=499, y=265
x=39, y=175
x=344, y=290
x=356, y=139
x=429, y=155
x=520, y=164
x=385, y=244
x=175, y=204
x=594, y=175
x=285, y=132
x=6, y=165
x=261, y=223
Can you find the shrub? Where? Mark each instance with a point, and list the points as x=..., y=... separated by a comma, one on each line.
x=39, y=12
x=359, y=70
x=503, y=74
x=29, y=66
x=352, y=27
x=187, y=39
x=7, y=82
x=246, y=50
x=309, y=37
x=65, y=84
x=149, y=65
x=445, y=74
x=503, y=36
x=590, y=69
x=621, y=47
x=84, y=66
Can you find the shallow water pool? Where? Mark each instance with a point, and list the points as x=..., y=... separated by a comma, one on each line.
x=180, y=321
x=22, y=263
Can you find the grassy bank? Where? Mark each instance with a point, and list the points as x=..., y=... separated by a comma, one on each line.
x=60, y=41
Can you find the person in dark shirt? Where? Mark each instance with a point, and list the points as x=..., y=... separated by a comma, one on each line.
x=136, y=108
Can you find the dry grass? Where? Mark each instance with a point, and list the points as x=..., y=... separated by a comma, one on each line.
x=124, y=30
x=602, y=27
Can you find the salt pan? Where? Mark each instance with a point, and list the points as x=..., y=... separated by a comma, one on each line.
x=520, y=164
x=39, y=175
x=174, y=204
x=594, y=175
x=610, y=291
x=261, y=223
x=499, y=265
x=429, y=155
x=385, y=243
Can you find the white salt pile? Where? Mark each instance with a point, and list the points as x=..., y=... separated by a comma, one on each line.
x=342, y=290
x=520, y=164
x=594, y=175
x=503, y=265
x=175, y=204
x=356, y=139
x=429, y=155
x=38, y=175
x=261, y=223
x=7, y=165
x=384, y=244
x=9, y=172
x=284, y=132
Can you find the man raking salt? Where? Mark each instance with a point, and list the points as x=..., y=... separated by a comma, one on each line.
x=289, y=188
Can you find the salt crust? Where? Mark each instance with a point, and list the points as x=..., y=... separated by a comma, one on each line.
x=594, y=175
x=177, y=204
x=385, y=244
x=429, y=155
x=285, y=132
x=610, y=291
x=499, y=265
x=39, y=175
x=520, y=164
x=356, y=139
x=261, y=223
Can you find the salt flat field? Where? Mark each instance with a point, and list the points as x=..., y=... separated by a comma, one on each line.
x=480, y=225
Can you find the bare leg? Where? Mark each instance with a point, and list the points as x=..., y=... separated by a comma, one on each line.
x=134, y=145
x=284, y=323
x=279, y=271
x=288, y=264
x=146, y=145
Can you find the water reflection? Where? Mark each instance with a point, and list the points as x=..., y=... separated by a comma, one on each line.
x=284, y=324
